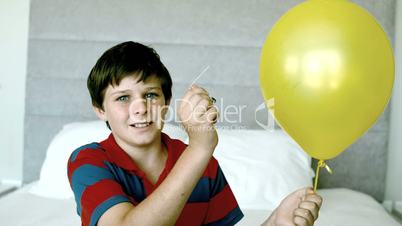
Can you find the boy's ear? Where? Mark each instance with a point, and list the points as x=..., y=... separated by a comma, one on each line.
x=100, y=113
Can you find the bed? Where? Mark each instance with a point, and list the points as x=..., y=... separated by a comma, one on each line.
x=277, y=165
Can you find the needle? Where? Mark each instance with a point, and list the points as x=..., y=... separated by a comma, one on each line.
x=199, y=76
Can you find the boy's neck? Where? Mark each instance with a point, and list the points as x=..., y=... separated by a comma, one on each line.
x=151, y=159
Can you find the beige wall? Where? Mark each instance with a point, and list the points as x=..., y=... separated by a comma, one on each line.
x=14, y=18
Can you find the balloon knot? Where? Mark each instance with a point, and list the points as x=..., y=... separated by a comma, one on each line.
x=323, y=164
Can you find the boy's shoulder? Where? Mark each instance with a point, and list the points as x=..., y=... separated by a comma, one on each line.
x=93, y=149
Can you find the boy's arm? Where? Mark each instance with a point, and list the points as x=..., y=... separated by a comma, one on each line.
x=165, y=204
x=300, y=208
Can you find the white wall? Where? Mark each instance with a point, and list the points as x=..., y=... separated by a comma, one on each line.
x=14, y=20
x=394, y=172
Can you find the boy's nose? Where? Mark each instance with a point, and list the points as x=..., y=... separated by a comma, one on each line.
x=139, y=107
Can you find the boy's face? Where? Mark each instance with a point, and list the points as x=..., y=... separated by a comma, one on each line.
x=135, y=111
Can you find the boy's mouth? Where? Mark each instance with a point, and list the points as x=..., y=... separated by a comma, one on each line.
x=141, y=124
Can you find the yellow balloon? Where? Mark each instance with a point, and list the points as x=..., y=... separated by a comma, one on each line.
x=328, y=68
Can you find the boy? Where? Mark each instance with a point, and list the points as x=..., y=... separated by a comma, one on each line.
x=140, y=176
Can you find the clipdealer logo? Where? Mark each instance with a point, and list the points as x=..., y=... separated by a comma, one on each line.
x=270, y=122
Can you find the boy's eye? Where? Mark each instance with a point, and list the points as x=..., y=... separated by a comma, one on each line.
x=151, y=96
x=122, y=98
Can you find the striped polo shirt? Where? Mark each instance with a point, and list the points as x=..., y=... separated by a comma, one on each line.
x=102, y=175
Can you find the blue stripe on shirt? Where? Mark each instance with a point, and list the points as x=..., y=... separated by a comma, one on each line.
x=219, y=183
x=101, y=208
x=230, y=219
x=87, y=175
x=92, y=146
x=207, y=188
x=131, y=184
x=201, y=191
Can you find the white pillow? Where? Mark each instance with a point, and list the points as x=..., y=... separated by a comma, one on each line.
x=53, y=182
x=262, y=167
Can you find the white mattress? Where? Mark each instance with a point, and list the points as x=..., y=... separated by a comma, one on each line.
x=341, y=207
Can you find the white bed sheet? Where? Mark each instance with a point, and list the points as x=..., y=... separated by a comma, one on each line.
x=21, y=208
x=342, y=207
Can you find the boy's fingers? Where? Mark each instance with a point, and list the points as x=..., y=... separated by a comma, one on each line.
x=187, y=94
x=302, y=192
x=206, y=101
x=201, y=108
x=192, y=91
x=312, y=207
x=200, y=103
x=305, y=214
x=195, y=98
x=197, y=88
x=212, y=115
x=191, y=101
x=314, y=198
x=300, y=221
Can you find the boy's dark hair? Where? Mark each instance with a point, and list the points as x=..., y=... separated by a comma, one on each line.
x=122, y=60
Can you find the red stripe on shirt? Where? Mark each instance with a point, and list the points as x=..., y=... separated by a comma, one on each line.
x=221, y=204
x=84, y=158
x=212, y=169
x=95, y=194
x=80, y=162
x=192, y=214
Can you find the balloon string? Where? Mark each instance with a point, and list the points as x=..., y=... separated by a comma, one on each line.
x=321, y=164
